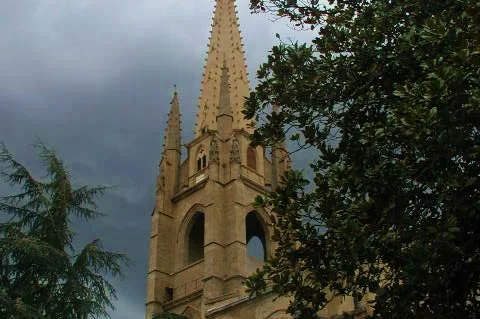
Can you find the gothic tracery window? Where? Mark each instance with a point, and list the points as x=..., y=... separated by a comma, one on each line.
x=201, y=160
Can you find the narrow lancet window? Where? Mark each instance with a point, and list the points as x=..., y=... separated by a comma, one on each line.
x=196, y=238
x=255, y=237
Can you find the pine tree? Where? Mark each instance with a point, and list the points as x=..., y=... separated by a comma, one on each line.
x=42, y=275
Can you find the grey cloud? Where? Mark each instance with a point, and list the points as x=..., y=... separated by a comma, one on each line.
x=88, y=43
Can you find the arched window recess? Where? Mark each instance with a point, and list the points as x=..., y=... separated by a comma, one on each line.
x=195, y=238
x=255, y=237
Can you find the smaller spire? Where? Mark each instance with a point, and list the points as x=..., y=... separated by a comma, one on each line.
x=224, y=107
x=173, y=129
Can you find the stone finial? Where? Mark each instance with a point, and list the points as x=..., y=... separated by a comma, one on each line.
x=235, y=151
x=224, y=107
x=213, y=150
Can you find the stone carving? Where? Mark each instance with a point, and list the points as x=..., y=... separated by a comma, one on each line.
x=235, y=151
x=213, y=150
x=160, y=183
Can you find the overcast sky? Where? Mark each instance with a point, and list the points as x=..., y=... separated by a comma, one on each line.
x=93, y=79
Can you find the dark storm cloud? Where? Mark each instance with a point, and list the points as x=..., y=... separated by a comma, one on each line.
x=93, y=79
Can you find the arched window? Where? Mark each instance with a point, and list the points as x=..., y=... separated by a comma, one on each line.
x=255, y=237
x=196, y=238
x=251, y=157
x=201, y=160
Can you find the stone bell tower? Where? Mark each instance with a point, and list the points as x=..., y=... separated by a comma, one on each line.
x=206, y=237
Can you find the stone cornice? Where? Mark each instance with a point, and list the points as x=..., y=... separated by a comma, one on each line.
x=189, y=190
x=260, y=188
x=238, y=301
x=183, y=300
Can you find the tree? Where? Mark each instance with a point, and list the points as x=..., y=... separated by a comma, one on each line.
x=388, y=92
x=41, y=274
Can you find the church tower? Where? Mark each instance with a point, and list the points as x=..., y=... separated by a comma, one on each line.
x=206, y=237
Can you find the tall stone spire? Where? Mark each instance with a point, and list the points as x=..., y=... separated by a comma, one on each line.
x=173, y=129
x=224, y=51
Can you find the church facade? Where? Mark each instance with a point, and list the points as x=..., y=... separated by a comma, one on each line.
x=206, y=237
